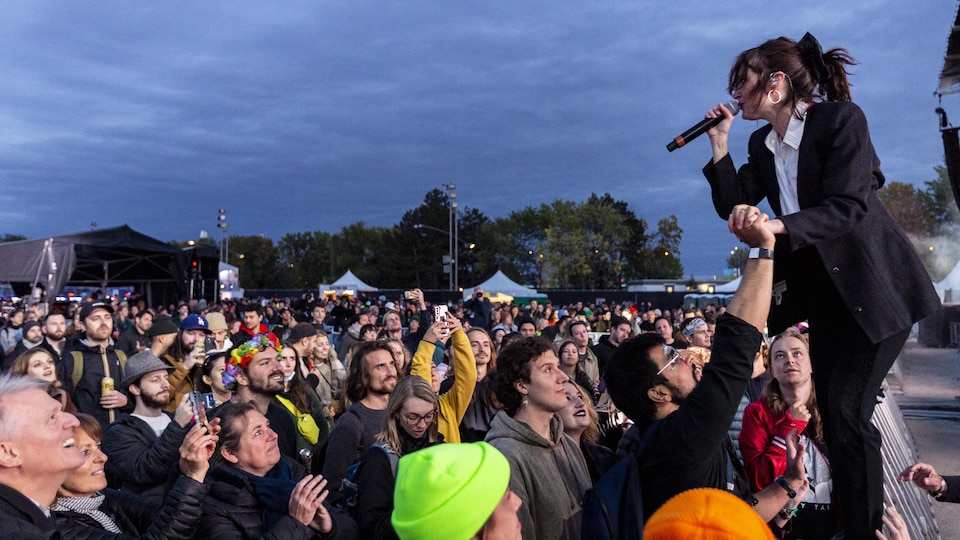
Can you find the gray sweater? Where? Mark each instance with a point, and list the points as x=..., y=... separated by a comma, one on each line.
x=354, y=432
x=549, y=476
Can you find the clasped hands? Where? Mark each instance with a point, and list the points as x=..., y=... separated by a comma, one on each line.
x=753, y=227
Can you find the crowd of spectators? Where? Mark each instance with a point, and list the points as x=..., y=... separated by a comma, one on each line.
x=314, y=405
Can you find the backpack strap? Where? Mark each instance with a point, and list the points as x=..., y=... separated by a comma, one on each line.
x=360, y=445
x=391, y=455
x=77, y=367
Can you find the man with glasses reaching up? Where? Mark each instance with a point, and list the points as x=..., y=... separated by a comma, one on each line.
x=684, y=411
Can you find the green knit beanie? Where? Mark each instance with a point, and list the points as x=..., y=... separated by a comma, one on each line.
x=448, y=491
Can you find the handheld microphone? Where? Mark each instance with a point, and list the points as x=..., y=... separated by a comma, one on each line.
x=702, y=127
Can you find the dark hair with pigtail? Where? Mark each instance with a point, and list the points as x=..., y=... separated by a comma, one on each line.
x=773, y=395
x=811, y=74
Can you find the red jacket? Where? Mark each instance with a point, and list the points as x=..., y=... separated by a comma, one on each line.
x=763, y=443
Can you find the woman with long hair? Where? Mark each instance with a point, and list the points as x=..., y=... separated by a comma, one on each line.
x=411, y=425
x=453, y=404
x=788, y=403
x=301, y=401
x=40, y=364
x=838, y=251
x=580, y=423
x=570, y=364
x=401, y=354
x=483, y=405
x=328, y=368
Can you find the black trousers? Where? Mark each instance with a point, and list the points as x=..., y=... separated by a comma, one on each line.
x=848, y=370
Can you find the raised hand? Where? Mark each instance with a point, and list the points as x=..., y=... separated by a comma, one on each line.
x=304, y=498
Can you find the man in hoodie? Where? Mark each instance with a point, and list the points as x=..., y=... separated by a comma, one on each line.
x=251, y=318
x=86, y=370
x=547, y=469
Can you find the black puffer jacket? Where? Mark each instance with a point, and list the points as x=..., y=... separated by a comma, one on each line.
x=176, y=519
x=139, y=460
x=376, y=480
x=232, y=511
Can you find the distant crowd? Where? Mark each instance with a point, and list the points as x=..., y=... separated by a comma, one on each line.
x=321, y=417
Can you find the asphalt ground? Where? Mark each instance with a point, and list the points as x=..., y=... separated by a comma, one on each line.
x=929, y=398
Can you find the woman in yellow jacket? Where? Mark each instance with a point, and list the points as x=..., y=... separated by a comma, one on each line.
x=453, y=404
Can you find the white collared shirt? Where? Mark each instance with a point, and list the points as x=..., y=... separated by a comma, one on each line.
x=786, y=153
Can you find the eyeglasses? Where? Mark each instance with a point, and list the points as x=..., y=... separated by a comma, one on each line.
x=674, y=357
x=414, y=418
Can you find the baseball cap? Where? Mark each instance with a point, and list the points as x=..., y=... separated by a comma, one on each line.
x=194, y=322
x=89, y=307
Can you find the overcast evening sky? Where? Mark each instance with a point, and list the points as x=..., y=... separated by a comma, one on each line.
x=300, y=116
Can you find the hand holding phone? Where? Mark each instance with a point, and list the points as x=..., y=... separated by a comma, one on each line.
x=199, y=405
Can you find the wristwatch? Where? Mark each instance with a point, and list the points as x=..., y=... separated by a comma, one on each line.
x=936, y=494
x=782, y=482
x=760, y=253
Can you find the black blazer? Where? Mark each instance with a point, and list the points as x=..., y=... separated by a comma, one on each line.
x=842, y=224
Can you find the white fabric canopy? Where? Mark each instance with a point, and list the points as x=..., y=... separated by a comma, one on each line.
x=349, y=281
x=500, y=283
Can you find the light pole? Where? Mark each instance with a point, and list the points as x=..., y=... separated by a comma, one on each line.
x=453, y=243
x=452, y=247
x=224, y=239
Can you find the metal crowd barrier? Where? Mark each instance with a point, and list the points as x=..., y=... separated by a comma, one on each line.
x=898, y=451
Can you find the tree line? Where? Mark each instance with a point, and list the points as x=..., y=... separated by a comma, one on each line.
x=596, y=244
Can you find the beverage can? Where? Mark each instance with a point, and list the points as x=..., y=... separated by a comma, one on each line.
x=106, y=385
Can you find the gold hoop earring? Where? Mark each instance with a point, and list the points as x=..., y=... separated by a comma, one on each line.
x=779, y=97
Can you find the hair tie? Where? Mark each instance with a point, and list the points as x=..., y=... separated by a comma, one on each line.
x=812, y=55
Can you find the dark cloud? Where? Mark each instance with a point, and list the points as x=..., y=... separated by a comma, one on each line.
x=311, y=116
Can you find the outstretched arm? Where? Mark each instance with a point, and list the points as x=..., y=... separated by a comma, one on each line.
x=751, y=303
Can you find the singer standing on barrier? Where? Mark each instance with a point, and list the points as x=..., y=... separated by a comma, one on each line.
x=841, y=262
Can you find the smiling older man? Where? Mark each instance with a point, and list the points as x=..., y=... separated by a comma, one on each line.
x=37, y=453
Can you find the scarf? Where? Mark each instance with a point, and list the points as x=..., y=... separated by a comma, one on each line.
x=273, y=492
x=88, y=506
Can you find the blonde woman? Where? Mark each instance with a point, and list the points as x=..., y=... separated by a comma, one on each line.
x=39, y=364
x=580, y=422
x=789, y=402
x=411, y=425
